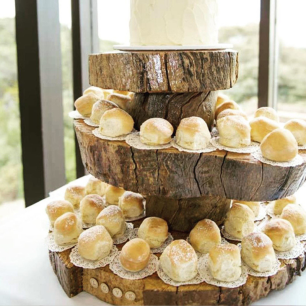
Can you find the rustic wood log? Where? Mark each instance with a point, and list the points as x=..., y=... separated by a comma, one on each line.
x=164, y=71
x=173, y=107
x=180, y=175
x=153, y=291
x=182, y=215
x=69, y=276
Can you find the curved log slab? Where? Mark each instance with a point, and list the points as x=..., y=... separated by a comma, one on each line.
x=165, y=71
x=182, y=215
x=180, y=175
x=173, y=107
x=153, y=291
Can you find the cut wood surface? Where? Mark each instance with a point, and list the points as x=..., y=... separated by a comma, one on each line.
x=173, y=107
x=178, y=175
x=153, y=291
x=182, y=215
x=164, y=71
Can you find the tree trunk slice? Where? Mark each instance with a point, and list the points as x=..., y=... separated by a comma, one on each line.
x=182, y=215
x=164, y=71
x=173, y=107
x=179, y=175
x=153, y=291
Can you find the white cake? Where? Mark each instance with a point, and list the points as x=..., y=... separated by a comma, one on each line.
x=174, y=22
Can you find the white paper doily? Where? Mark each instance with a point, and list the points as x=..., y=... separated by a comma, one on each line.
x=214, y=132
x=253, y=147
x=295, y=252
x=262, y=212
x=79, y=261
x=76, y=115
x=302, y=147
x=208, y=278
x=134, y=234
x=99, y=135
x=134, y=141
x=125, y=236
x=52, y=246
x=298, y=160
x=166, y=279
x=273, y=271
x=230, y=237
x=90, y=123
x=117, y=268
x=209, y=148
x=301, y=237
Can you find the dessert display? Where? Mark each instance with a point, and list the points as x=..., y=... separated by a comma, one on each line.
x=281, y=232
x=179, y=261
x=224, y=262
x=156, y=131
x=261, y=127
x=204, y=236
x=90, y=207
x=112, y=219
x=57, y=208
x=178, y=201
x=95, y=243
x=298, y=128
x=154, y=231
x=74, y=194
x=257, y=252
x=67, y=229
x=280, y=204
x=280, y=146
x=193, y=133
x=131, y=204
x=239, y=221
x=135, y=255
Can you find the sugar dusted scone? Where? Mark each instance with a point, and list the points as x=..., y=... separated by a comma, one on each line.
x=74, y=194
x=99, y=108
x=298, y=128
x=90, y=207
x=261, y=127
x=296, y=215
x=122, y=100
x=57, y=208
x=226, y=105
x=132, y=204
x=279, y=205
x=95, y=90
x=95, y=186
x=85, y=103
x=112, y=194
x=232, y=112
x=254, y=206
x=267, y=112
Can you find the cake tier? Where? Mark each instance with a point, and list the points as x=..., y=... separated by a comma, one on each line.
x=111, y=288
x=180, y=175
x=173, y=107
x=169, y=71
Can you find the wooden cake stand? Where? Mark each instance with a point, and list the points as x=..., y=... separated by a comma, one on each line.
x=180, y=187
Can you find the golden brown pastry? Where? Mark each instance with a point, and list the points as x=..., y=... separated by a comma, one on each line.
x=267, y=112
x=280, y=204
x=95, y=90
x=85, y=103
x=232, y=112
x=57, y=208
x=99, y=108
x=226, y=105
x=298, y=128
x=95, y=186
x=254, y=206
x=112, y=194
x=221, y=99
x=74, y=194
x=261, y=127
x=132, y=204
x=90, y=207
x=122, y=100
x=296, y=215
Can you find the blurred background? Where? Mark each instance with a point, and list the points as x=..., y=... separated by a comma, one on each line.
x=240, y=27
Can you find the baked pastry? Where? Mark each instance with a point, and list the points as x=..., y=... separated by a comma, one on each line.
x=156, y=131
x=122, y=92
x=261, y=127
x=280, y=204
x=135, y=255
x=193, y=133
x=224, y=262
x=95, y=186
x=85, y=103
x=254, y=206
x=99, y=108
x=298, y=128
x=131, y=204
x=57, y=208
x=112, y=194
x=280, y=146
x=232, y=112
x=154, y=231
x=204, y=236
x=179, y=261
x=221, y=99
x=296, y=215
x=74, y=194
x=226, y=105
x=234, y=131
x=90, y=207
x=281, y=233
x=239, y=221
x=122, y=100
x=95, y=90
x=257, y=252
x=113, y=220
x=267, y=112
x=95, y=243
x=107, y=92
x=67, y=229
x=116, y=122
